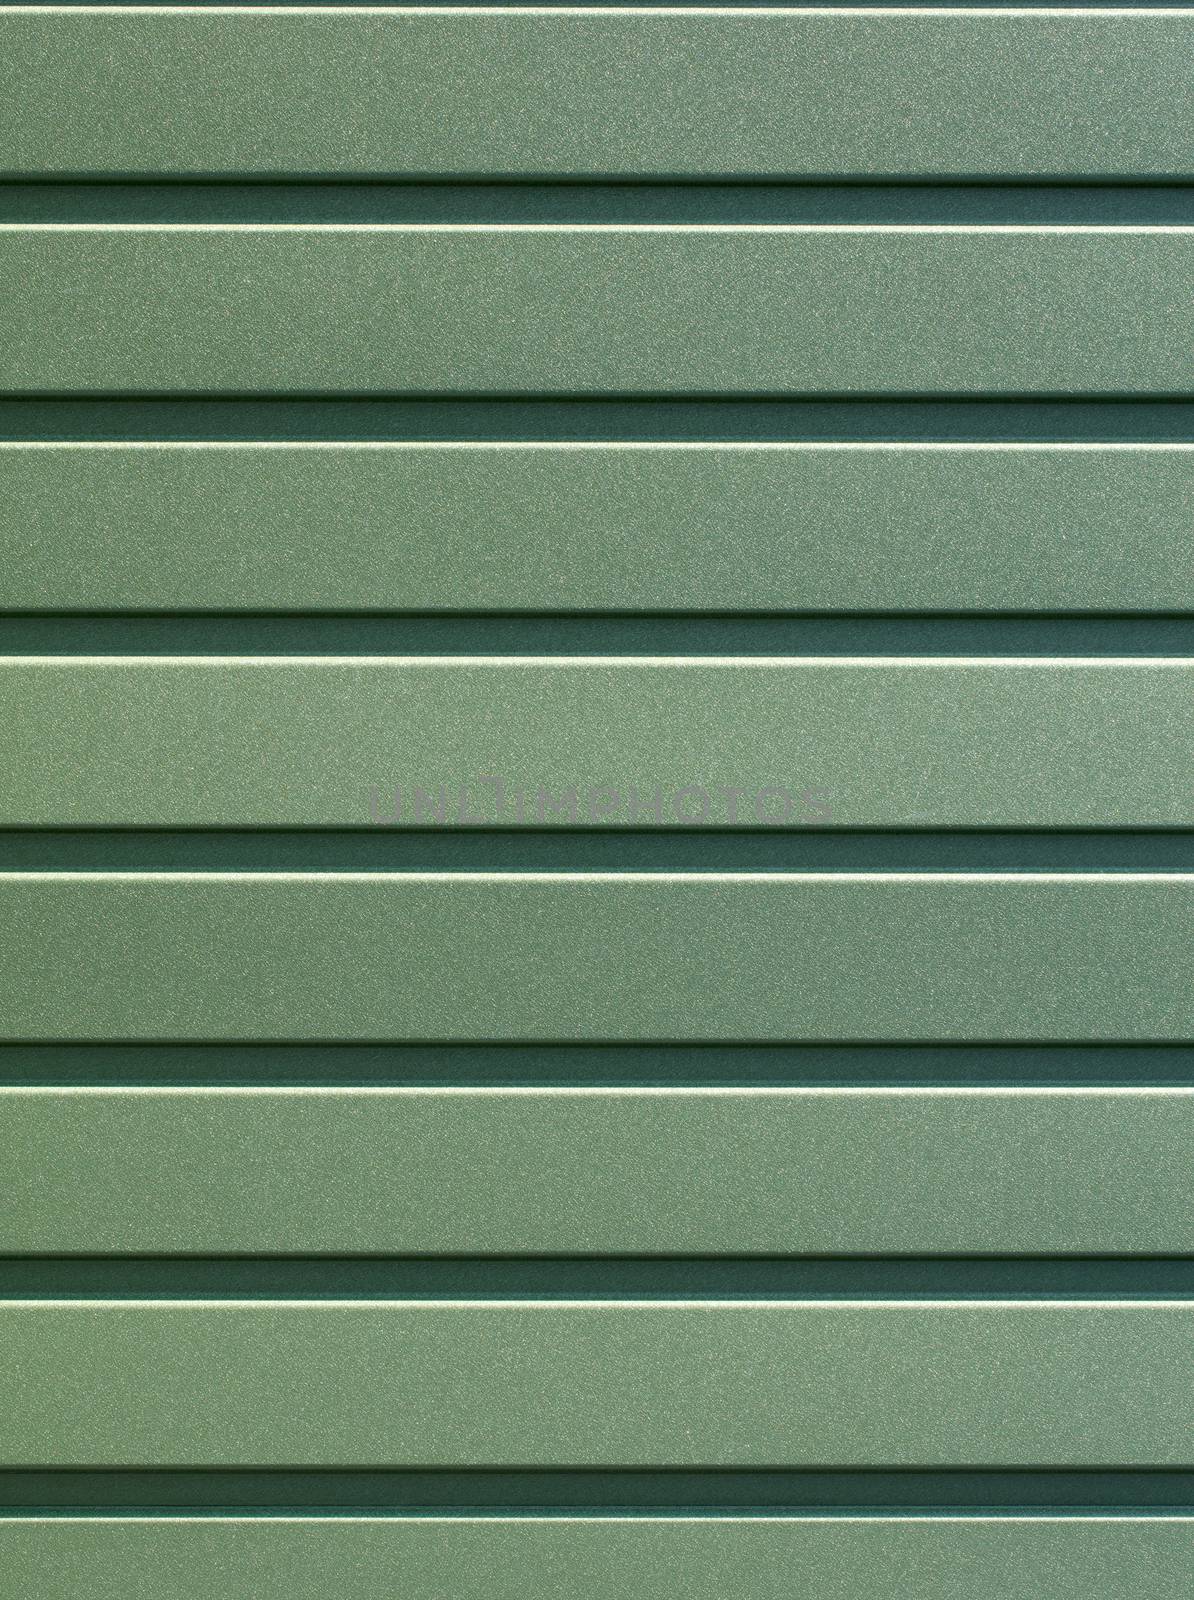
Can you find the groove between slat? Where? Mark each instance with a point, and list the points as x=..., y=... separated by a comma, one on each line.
x=599, y=421
x=671, y=203
x=626, y=850
x=517, y=1279
x=428, y=1066
x=397, y=1492
x=1141, y=637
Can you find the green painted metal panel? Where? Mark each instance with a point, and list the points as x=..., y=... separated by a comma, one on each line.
x=650, y=309
x=558, y=956
x=617, y=742
x=592, y=93
x=617, y=527
x=597, y=1383
x=252, y=294
x=596, y=1171
x=639, y=1558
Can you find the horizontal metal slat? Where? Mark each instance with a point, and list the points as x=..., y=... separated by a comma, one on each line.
x=595, y=93
x=617, y=527
x=559, y=957
x=585, y=310
x=607, y=1383
x=618, y=742
x=641, y=1558
x=606, y=1172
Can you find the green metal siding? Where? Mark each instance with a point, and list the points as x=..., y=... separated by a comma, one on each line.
x=594, y=1171
x=623, y=742
x=730, y=1134
x=830, y=1558
x=597, y=956
x=559, y=527
x=593, y=93
x=595, y=309
x=612, y=1384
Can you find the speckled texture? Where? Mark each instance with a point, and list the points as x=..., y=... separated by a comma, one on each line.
x=195, y=309
x=119, y=307
x=619, y=527
x=637, y=1558
x=607, y=1383
x=607, y=1172
x=867, y=742
x=587, y=94
x=559, y=957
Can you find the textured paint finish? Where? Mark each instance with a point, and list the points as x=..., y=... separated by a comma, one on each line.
x=603, y=1383
x=748, y=742
x=558, y=527
x=242, y=1275
x=194, y=309
x=559, y=1172
x=593, y=93
x=637, y=1558
x=559, y=957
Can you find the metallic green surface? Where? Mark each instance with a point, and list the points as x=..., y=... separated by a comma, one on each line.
x=599, y=1383
x=559, y=957
x=637, y=1558
x=567, y=1172
x=619, y=527
x=443, y=309
x=747, y=742
x=185, y=292
x=596, y=93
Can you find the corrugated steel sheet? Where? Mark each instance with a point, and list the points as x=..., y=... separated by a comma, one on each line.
x=514, y=1077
